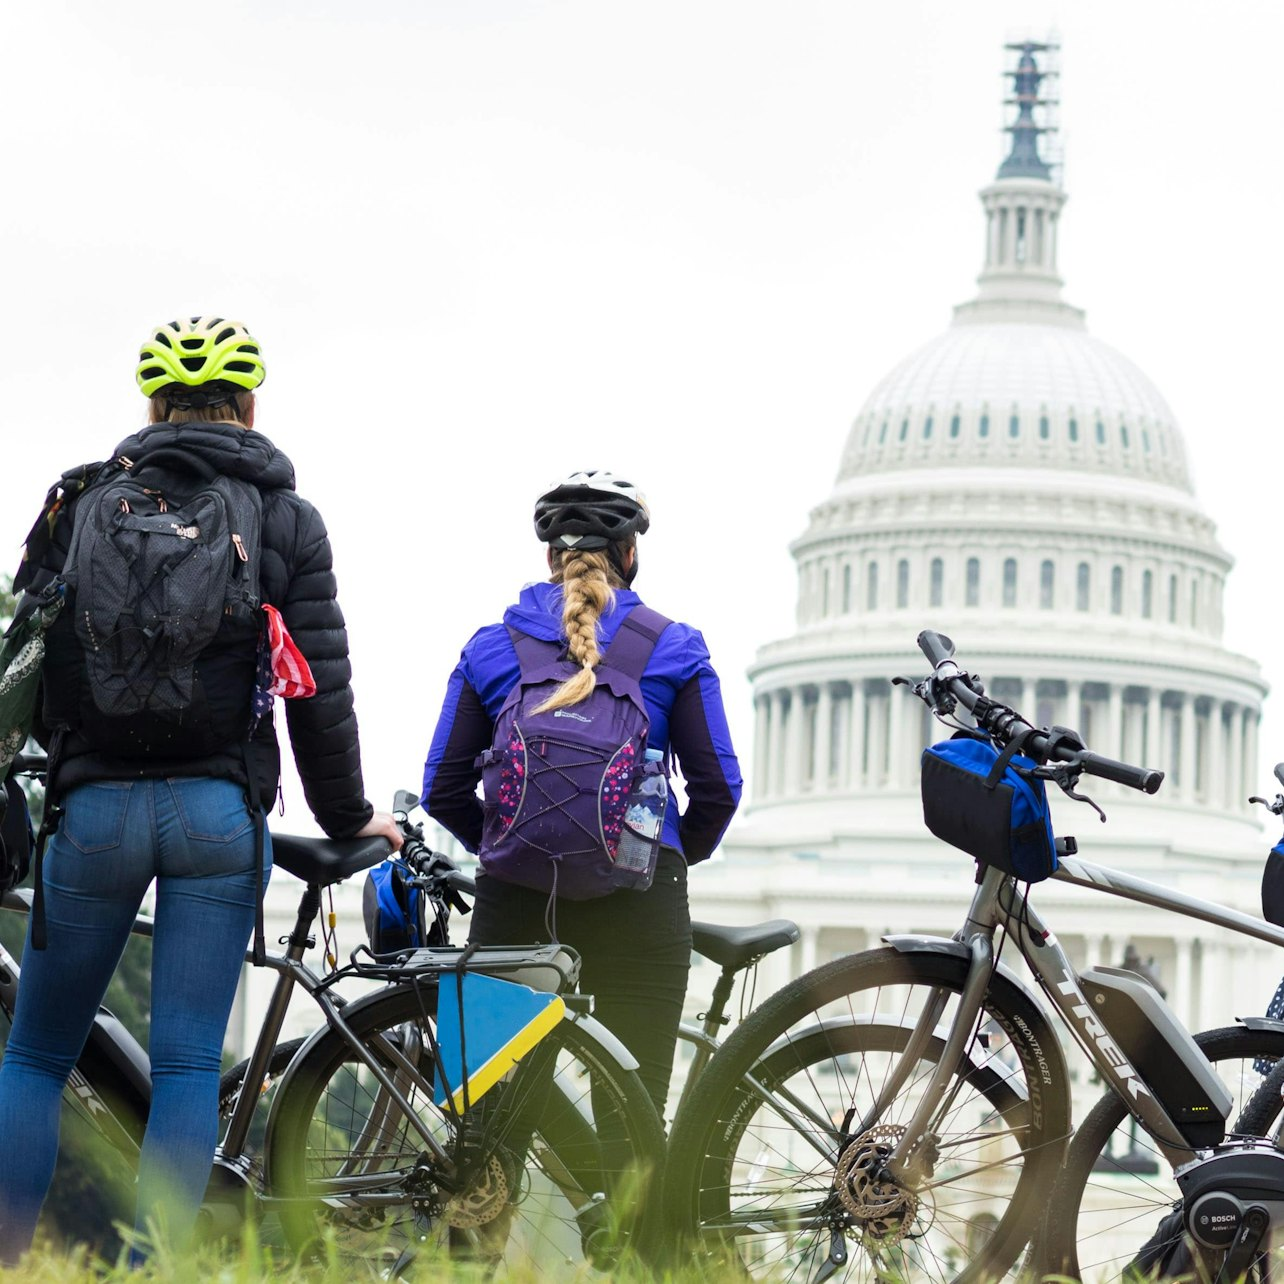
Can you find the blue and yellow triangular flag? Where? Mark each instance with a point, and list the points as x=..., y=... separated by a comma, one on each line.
x=503, y=1022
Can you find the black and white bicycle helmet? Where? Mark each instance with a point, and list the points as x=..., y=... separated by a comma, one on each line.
x=590, y=510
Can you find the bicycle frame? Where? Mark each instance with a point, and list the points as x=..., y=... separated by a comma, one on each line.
x=996, y=903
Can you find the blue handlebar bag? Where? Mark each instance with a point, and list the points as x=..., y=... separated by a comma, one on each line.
x=989, y=805
x=395, y=910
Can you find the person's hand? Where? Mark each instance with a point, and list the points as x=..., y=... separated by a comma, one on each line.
x=382, y=825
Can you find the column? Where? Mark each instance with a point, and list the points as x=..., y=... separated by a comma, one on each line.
x=1153, y=755
x=897, y=735
x=1092, y=951
x=1235, y=768
x=761, y=747
x=1113, y=748
x=1181, y=995
x=823, y=738
x=1186, y=774
x=776, y=744
x=794, y=743
x=808, y=951
x=856, y=736
x=1253, y=764
x=876, y=738
x=1074, y=705
x=842, y=739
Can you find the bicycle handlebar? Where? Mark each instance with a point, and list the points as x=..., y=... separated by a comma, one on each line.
x=1004, y=724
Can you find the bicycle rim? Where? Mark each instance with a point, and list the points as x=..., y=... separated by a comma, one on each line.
x=791, y=1188
x=558, y=1155
x=1116, y=1193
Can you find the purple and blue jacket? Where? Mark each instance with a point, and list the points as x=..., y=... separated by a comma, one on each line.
x=682, y=695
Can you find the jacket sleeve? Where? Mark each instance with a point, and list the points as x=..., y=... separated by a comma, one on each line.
x=323, y=728
x=701, y=740
x=463, y=731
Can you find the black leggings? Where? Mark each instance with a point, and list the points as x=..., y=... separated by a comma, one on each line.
x=636, y=952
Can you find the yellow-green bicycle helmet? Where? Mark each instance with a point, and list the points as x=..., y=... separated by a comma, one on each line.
x=196, y=351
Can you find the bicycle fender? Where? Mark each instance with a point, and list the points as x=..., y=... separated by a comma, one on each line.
x=908, y=944
x=1259, y=1023
x=596, y=1030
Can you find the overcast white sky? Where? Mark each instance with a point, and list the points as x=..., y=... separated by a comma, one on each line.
x=485, y=242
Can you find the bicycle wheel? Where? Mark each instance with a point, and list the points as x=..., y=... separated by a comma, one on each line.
x=555, y=1159
x=775, y=1157
x=229, y=1085
x=1117, y=1188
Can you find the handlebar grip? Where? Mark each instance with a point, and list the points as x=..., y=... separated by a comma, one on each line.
x=936, y=646
x=1143, y=778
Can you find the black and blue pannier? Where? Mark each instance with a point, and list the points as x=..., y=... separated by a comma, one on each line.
x=988, y=804
x=395, y=910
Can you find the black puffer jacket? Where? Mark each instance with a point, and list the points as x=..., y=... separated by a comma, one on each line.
x=296, y=577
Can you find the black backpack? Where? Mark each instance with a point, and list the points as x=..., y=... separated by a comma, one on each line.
x=163, y=582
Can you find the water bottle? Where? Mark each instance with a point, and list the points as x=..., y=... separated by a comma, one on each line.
x=639, y=846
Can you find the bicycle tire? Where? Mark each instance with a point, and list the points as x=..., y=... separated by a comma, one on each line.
x=1110, y=1201
x=735, y=1189
x=229, y=1085
x=565, y=1183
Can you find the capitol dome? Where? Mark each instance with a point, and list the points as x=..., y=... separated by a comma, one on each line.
x=1023, y=487
x=1013, y=394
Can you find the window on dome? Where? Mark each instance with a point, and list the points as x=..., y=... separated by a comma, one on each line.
x=1147, y=594
x=1009, y=582
x=1123, y=435
x=1116, y=590
x=871, y=587
x=1073, y=428
x=1045, y=428
x=904, y=430
x=1047, y=584
x=1014, y=425
x=1083, y=587
x=847, y=588
x=927, y=427
x=983, y=428
x=1172, y=599
x=882, y=433
x=973, y=581
x=936, y=583
x=1194, y=604
x=902, y=583
x=824, y=592
x=1145, y=441
x=1101, y=433
x=955, y=424
x=1020, y=235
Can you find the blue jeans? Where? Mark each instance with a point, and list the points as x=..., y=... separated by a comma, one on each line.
x=195, y=837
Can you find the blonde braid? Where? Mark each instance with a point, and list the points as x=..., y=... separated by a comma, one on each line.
x=586, y=593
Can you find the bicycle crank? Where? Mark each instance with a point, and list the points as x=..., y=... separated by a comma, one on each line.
x=884, y=1210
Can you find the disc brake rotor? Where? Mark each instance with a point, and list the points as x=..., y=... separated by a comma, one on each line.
x=483, y=1201
x=884, y=1209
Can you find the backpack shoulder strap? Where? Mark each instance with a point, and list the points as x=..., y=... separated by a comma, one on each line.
x=634, y=641
x=532, y=653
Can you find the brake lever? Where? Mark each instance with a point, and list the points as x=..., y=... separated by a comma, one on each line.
x=1276, y=808
x=1065, y=775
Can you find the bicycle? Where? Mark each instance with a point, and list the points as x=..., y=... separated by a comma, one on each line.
x=550, y=1167
x=904, y=1113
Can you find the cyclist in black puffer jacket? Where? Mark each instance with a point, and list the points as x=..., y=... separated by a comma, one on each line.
x=176, y=810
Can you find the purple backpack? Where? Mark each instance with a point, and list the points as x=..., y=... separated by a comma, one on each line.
x=557, y=784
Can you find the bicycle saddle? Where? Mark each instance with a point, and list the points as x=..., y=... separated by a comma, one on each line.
x=737, y=947
x=327, y=860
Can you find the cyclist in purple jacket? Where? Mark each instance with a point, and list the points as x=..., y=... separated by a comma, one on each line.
x=635, y=946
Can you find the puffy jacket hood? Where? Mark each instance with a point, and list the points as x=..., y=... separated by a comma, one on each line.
x=538, y=612
x=232, y=451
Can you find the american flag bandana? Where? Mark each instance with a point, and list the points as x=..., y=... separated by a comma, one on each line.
x=282, y=668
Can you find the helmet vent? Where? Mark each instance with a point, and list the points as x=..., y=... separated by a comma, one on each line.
x=213, y=322
x=162, y=337
x=195, y=320
x=224, y=335
x=192, y=363
x=192, y=344
x=240, y=367
x=152, y=372
x=248, y=347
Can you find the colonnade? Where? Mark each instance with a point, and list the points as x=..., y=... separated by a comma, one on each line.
x=844, y=736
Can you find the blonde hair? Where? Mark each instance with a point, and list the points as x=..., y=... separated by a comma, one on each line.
x=588, y=581
x=237, y=411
